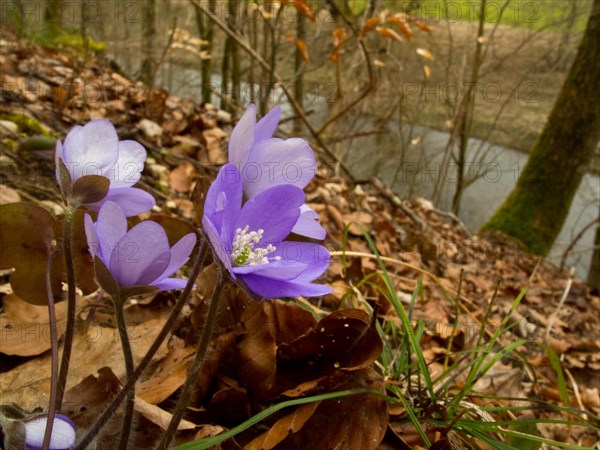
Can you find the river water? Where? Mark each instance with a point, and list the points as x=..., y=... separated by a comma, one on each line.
x=409, y=159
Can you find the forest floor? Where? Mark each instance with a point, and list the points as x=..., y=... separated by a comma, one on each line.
x=466, y=284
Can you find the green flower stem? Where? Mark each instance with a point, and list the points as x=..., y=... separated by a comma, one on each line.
x=119, y=304
x=54, y=352
x=192, y=377
x=130, y=383
x=71, y=305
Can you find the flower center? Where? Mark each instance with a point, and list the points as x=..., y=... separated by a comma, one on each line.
x=244, y=252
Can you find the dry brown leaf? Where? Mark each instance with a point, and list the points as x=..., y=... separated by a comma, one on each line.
x=402, y=25
x=159, y=416
x=168, y=376
x=368, y=26
x=24, y=328
x=389, y=33
x=28, y=385
x=425, y=53
x=182, y=177
x=302, y=48
x=257, y=349
x=212, y=139
x=7, y=194
x=353, y=422
x=291, y=423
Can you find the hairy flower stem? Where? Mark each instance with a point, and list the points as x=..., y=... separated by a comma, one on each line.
x=130, y=383
x=194, y=372
x=71, y=305
x=54, y=352
x=128, y=357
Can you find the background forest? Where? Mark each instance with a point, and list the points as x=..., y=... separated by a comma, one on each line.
x=458, y=180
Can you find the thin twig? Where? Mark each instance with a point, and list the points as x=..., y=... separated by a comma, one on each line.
x=552, y=318
x=575, y=240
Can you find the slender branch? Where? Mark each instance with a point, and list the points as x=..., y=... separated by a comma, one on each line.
x=54, y=352
x=192, y=378
x=575, y=240
x=289, y=94
x=130, y=383
x=119, y=304
x=71, y=305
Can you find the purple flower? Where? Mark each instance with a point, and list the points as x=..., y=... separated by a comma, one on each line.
x=249, y=239
x=63, y=433
x=141, y=256
x=95, y=149
x=265, y=162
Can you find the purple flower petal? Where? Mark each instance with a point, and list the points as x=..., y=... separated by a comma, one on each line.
x=314, y=256
x=128, y=168
x=222, y=249
x=278, y=270
x=275, y=211
x=242, y=137
x=270, y=288
x=111, y=226
x=92, y=237
x=63, y=433
x=141, y=256
x=168, y=284
x=274, y=162
x=267, y=125
x=91, y=149
x=180, y=253
x=307, y=224
x=224, y=200
x=133, y=201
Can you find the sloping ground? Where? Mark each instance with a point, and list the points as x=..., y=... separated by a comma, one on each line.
x=466, y=280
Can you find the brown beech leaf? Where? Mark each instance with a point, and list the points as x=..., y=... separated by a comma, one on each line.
x=302, y=7
x=28, y=384
x=230, y=402
x=84, y=401
x=345, y=339
x=291, y=423
x=167, y=377
x=402, y=26
x=423, y=26
x=24, y=327
x=182, y=177
x=303, y=49
x=368, y=26
x=389, y=33
x=339, y=37
x=257, y=349
x=353, y=422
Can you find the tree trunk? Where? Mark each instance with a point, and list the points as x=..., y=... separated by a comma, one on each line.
x=536, y=209
x=593, y=278
x=205, y=32
x=148, y=39
x=299, y=70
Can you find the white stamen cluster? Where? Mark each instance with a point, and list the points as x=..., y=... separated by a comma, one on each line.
x=244, y=253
